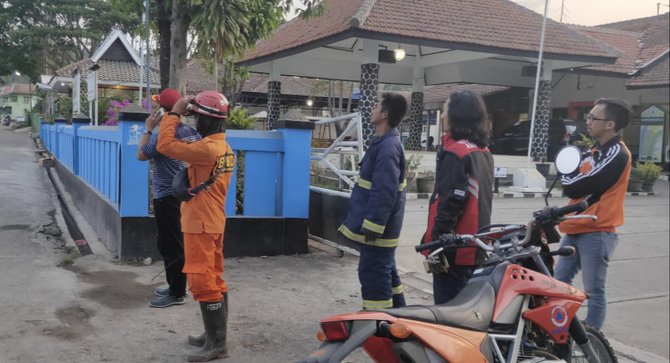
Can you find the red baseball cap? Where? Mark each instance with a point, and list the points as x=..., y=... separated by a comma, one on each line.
x=167, y=98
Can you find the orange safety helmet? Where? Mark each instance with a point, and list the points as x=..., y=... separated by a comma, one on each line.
x=210, y=103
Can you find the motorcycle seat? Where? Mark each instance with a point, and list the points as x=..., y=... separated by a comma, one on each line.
x=471, y=309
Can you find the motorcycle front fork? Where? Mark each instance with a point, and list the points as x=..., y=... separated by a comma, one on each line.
x=581, y=337
x=577, y=330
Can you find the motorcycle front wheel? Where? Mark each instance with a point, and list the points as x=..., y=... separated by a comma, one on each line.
x=601, y=346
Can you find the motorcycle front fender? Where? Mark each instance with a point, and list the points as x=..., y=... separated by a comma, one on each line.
x=335, y=352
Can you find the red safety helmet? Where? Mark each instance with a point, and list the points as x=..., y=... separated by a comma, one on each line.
x=210, y=103
x=167, y=98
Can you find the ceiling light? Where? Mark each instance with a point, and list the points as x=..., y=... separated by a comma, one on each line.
x=310, y=102
x=17, y=73
x=399, y=54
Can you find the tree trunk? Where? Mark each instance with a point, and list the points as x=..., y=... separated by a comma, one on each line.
x=164, y=37
x=178, y=49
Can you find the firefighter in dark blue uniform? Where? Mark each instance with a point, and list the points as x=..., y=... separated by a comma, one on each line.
x=377, y=207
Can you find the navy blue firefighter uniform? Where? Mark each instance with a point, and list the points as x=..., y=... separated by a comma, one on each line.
x=376, y=211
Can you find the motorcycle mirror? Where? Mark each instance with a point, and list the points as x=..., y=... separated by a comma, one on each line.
x=566, y=251
x=568, y=159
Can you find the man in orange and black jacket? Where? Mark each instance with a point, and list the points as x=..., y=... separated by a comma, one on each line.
x=601, y=180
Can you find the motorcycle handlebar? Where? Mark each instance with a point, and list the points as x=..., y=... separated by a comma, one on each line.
x=552, y=213
x=574, y=208
x=428, y=246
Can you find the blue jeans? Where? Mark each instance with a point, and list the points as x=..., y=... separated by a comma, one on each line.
x=592, y=256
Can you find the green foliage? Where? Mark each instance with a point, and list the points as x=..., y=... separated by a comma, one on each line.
x=239, y=120
x=37, y=35
x=231, y=77
x=412, y=164
x=647, y=171
x=585, y=141
x=64, y=106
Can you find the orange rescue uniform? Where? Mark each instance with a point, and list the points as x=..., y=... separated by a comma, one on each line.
x=203, y=218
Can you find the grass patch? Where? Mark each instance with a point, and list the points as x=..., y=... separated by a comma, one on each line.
x=71, y=254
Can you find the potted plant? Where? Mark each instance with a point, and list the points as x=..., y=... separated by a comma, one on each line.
x=412, y=165
x=650, y=172
x=635, y=182
x=425, y=183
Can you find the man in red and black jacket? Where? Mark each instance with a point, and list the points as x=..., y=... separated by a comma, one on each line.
x=463, y=193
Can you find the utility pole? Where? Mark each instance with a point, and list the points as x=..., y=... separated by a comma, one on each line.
x=148, y=51
x=562, y=11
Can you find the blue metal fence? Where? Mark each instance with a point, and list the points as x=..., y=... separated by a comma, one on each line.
x=276, y=167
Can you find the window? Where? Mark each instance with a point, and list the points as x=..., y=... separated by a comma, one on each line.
x=13, y=99
x=26, y=99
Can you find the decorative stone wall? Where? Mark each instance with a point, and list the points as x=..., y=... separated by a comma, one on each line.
x=274, y=100
x=369, y=84
x=415, y=121
x=542, y=118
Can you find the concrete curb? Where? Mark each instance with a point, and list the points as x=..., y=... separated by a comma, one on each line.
x=635, y=354
x=507, y=195
x=91, y=237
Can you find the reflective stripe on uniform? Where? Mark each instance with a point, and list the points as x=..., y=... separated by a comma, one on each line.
x=377, y=304
x=397, y=290
x=374, y=227
x=379, y=242
x=402, y=185
x=366, y=184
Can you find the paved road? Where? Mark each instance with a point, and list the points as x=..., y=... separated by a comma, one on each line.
x=638, y=281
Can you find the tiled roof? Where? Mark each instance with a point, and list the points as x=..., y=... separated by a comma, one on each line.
x=656, y=75
x=197, y=78
x=18, y=89
x=640, y=43
x=258, y=83
x=110, y=71
x=656, y=33
x=497, y=26
x=626, y=44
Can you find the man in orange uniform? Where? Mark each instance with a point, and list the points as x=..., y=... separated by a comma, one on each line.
x=203, y=217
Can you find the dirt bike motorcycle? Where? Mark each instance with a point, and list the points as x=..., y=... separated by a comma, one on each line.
x=511, y=310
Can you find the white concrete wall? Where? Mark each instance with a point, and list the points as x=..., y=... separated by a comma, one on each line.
x=589, y=88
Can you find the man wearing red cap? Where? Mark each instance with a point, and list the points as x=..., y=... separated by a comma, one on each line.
x=166, y=206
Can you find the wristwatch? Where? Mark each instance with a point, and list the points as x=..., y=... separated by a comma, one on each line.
x=147, y=132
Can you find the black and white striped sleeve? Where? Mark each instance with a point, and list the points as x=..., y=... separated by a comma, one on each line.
x=604, y=174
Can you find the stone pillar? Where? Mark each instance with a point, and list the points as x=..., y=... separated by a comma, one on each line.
x=274, y=100
x=369, y=84
x=415, y=115
x=415, y=121
x=542, y=116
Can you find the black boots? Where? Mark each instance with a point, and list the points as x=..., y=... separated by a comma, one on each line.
x=199, y=340
x=215, y=319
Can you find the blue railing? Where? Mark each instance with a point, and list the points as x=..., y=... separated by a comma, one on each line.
x=276, y=166
x=100, y=159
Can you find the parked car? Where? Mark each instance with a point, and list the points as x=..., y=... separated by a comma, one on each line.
x=514, y=140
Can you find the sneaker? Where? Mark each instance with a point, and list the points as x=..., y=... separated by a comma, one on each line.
x=162, y=291
x=165, y=301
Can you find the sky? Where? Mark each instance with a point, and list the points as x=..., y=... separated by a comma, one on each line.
x=595, y=12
